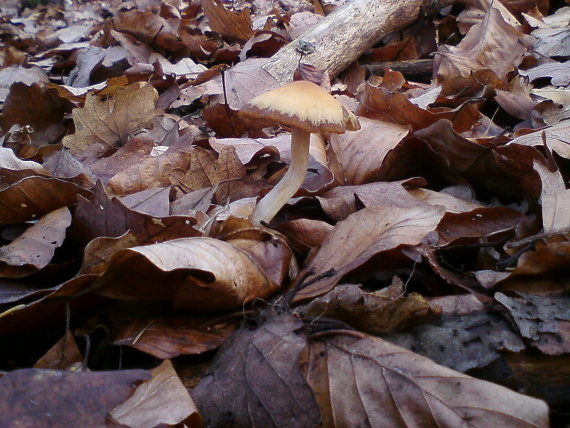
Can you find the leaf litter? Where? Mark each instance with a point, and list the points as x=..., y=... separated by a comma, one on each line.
x=418, y=277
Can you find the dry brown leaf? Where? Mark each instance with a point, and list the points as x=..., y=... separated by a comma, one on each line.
x=369, y=382
x=206, y=171
x=234, y=25
x=255, y=380
x=149, y=28
x=558, y=72
x=102, y=216
x=304, y=234
x=538, y=271
x=503, y=171
x=249, y=148
x=378, y=312
x=342, y=201
x=56, y=394
x=153, y=328
x=33, y=197
x=193, y=273
x=14, y=169
x=151, y=171
x=134, y=153
x=362, y=236
x=62, y=355
x=478, y=223
x=451, y=203
x=555, y=200
x=99, y=251
x=361, y=152
x=34, y=249
x=557, y=138
x=160, y=400
x=491, y=44
x=154, y=201
x=37, y=107
x=113, y=117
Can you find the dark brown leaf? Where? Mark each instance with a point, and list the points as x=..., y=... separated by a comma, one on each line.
x=255, y=380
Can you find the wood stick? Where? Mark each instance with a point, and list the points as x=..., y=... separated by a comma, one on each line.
x=339, y=39
x=417, y=69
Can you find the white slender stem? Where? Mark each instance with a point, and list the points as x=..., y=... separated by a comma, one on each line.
x=271, y=203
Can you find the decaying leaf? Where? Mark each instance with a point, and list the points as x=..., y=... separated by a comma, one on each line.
x=33, y=197
x=154, y=328
x=371, y=382
x=228, y=23
x=255, y=380
x=61, y=356
x=364, y=235
x=113, y=117
x=193, y=273
x=34, y=249
x=543, y=319
x=379, y=312
x=461, y=342
x=160, y=400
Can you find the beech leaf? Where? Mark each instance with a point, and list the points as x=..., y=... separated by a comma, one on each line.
x=34, y=249
x=369, y=382
x=363, y=235
x=196, y=273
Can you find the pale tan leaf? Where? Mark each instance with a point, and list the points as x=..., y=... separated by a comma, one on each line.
x=160, y=400
x=34, y=249
x=363, y=235
x=361, y=152
x=9, y=161
x=369, y=382
x=555, y=200
x=194, y=273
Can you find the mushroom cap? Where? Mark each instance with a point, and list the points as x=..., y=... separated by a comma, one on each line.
x=303, y=105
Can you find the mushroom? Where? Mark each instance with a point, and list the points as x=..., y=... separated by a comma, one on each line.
x=305, y=108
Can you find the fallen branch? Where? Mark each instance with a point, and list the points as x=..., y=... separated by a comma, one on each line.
x=344, y=35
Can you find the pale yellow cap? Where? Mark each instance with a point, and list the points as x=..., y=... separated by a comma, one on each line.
x=303, y=105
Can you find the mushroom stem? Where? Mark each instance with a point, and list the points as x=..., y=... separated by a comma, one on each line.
x=271, y=203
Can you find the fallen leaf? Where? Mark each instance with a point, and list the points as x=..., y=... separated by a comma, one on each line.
x=378, y=312
x=102, y=216
x=62, y=355
x=33, y=197
x=35, y=248
x=234, y=25
x=461, y=342
x=37, y=107
x=361, y=152
x=543, y=319
x=160, y=400
x=193, y=273
x=340, y=202
x=555, y=200
x=14, y=169
x=558, y=72
x=113, y=117
x=255, y=380
x=364, y=235
x=371, y=382
x=154, y=328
